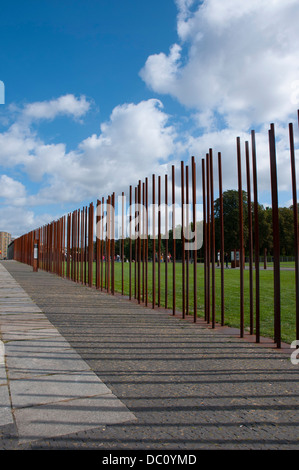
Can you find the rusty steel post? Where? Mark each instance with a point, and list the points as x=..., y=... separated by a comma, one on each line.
x=130, y=245
x=146, y=246
x=113, y=245
x=143, y=242
x=203, y=175
x=295, y=218
x=139, y=242
x=241, y=238
x=250, y=240
x=213, y=240
x=166, y=242
x=276, y=243
x=102, y=243
x=154, y=244
x=208, y=319
x=159, y=241
x=85, y=250
x=221, y=236
x=173, y=240
x=135, y=248
x=256, y=239
x=122, y=241
x=183, y=240
x=187, y=231
x=195, y=240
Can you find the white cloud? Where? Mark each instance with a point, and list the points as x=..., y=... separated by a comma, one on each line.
x=237, y=58
x=67, y=105
x=132, y=144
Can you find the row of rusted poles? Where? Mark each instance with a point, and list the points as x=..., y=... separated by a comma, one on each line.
x=66, y=246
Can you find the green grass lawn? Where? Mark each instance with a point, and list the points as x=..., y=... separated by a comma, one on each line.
x=232, y=295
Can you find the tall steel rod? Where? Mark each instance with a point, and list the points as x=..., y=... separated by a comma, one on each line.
x=130, y=244
x=166, y=242
x=173, y=240
x=203, y=175
x=122, y=240
x=250, y=239
x=213, y=240
x=154, y=245
x=276, y=242
x=256, y=239
x=159, y=241
x=139, y=242
x=241, y=238
x=183, y=240
x=221, y=236
x=195, y=239
x=146, y=245
x=187, y=232
x=295, y=218
x=208, y=318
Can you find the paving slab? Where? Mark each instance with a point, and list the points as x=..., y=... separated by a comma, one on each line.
x=46, y=388
x=186, y=385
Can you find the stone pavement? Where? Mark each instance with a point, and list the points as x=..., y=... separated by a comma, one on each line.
x=86, y=370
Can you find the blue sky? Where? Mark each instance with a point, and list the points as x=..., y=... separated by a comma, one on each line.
x=101, y=93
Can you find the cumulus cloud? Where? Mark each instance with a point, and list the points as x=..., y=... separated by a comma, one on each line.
x=67, y=105
x=134, y=142
x=236, y=58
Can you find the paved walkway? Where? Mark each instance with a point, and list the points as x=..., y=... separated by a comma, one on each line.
x=87, y=370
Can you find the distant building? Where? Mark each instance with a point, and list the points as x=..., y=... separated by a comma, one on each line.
x=5, y=240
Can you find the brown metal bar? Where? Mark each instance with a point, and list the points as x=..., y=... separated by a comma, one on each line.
x=221, y=236
x=195, y=240
x=203, y=174
x=154, y=244
x=188, y=238
x=146, y=245
x=295, y=217
x=208, y=319
x=173, y=241
x=250, y=239
x=183, y=240
x=213, y=240
x=276, y=243
x=256, y=239
x=130, y=245
x=241, y=238
x=122, y=241
x=139, y=241
x=166, y=242
x=159, y=241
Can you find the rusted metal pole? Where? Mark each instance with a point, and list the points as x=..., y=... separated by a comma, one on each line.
x=130, y=244
x=256, y=239
x=102, y=244
x=276, y=243
x=250, y=240
x=295, y=218
x=187, y=231
x=159, y=241
x=146, y=245
x=241, y=238
x=203, y=174
x=221, y=236
x=208, y=319
x=154, y=245
x=213, y=240
x=195, y=240
x=173, y=240
x=143, y=242
x=139, y=241
x=183, y=240
x=122, y=241
x=166, y=242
